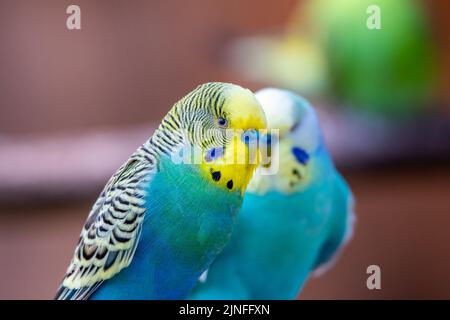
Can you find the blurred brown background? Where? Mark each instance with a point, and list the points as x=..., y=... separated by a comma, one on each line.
x=75, y=104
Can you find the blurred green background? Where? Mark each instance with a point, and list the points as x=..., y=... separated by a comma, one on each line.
x=75, y=104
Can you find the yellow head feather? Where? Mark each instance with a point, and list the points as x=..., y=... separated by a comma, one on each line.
x=235, y=168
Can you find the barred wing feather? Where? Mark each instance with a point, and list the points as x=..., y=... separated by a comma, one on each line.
x=111, y=233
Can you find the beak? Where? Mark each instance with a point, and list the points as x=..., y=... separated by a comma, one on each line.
x=266, y=150
x=250, y=139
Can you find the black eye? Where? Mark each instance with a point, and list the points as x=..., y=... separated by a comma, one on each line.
x=222, y=122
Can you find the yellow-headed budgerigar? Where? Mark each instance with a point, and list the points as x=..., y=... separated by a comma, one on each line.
x=292, y=222
x=160, y=221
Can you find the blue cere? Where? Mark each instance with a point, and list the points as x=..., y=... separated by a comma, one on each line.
x=301, y=155
x=214, y=153
x=250, y=136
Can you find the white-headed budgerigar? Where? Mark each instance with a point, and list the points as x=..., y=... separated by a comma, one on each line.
x=158, y=224
x=291, y=223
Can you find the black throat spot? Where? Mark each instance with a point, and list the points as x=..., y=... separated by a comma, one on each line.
x=216, y=175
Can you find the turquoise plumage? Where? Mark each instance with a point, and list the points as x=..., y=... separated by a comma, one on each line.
x=291, y=223
x=159, y=222
x=189, y=241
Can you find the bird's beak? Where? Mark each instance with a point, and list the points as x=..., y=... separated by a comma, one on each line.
x=266, y=150
x=243, y=148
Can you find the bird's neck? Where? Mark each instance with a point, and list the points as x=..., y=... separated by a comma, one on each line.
x=166, y=139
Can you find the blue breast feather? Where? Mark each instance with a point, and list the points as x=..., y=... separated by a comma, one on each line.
x=278, y=240
x=187, y=224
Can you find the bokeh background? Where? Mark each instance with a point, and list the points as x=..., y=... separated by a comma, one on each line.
x=75, y=104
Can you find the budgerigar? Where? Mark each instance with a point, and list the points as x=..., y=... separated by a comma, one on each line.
x=291, y=223
x=159, y=221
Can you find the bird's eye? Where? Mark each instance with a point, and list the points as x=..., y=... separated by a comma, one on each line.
x=222, y=122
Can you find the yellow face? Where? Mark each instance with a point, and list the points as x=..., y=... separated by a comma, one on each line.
x=243, y=111
x=232, y=166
